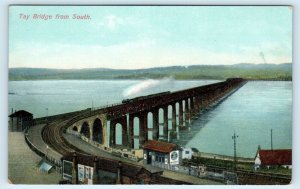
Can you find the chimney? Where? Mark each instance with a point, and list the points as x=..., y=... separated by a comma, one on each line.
x=75, y=169
x=119, y=179
x=96, y=177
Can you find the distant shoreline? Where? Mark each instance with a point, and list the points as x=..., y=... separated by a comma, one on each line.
x=269, y=72
x=116, y=79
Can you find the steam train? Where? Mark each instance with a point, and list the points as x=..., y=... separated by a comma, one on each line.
x=144, y=97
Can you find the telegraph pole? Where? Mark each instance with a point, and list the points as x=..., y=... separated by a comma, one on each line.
x=234, y=137
x=271, y=139
x=47, y=116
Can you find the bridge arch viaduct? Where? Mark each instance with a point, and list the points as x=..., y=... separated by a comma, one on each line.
x=175, y=109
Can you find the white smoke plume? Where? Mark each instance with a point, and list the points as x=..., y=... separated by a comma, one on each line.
x=261, y=54
x=147, y=87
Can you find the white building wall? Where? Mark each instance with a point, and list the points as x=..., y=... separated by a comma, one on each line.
x=257, y=160
x=187, y=153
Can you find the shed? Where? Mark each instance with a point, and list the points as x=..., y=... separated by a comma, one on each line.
x=20, y=121
x=161, y=154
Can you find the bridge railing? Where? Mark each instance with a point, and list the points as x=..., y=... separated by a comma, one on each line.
x=39, y=152
x=105, y=106
x=58, y=116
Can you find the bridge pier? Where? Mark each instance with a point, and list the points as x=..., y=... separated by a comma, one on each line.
x=130, y=132
x=197, y=105
x=155, y=130
x=143, y=129
x=165, y=128
x=187, y=112
x=174, y=117
x=124, y=114
x=180, y=114
x=112, y=135
x=192, y=110
x=113, y=124
x=124, y=134
x=205, y=100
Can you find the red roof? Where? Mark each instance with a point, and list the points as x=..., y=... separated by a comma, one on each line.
x=275, y=157
x=159, y=146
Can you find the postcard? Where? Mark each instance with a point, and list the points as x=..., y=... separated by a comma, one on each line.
x=152, y=94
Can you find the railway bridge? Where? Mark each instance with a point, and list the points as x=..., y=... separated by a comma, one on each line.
x=156, y=117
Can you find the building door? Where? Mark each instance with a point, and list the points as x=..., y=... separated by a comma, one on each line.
x=149, y=157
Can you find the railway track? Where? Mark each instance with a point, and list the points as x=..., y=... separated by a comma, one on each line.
x=251, y=177
x=52, y=135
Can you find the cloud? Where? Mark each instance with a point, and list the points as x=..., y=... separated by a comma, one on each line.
x=113, y=22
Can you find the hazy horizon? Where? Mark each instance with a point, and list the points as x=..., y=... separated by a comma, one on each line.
x=154, y=67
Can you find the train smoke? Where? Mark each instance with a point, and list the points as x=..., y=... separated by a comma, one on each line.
x=146, y=87
x=261, y=54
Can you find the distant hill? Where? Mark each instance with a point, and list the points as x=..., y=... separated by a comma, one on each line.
x=244, y=70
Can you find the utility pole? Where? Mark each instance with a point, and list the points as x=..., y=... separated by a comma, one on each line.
x=47, y=116
x=234, y=137
x=271, y=139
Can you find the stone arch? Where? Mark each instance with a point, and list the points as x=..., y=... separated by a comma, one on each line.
x=149, y=120
x=85, y=129
x=170, y=116
x=119, y=134
x=177, y=111
x=136, y=131
x=184, y=111
x=136, y=126
x=98, y=131
x=75, y=129
x=161, y=121
x=161, y=115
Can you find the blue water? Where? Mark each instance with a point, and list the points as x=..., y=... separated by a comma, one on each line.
x=61, y=96
x=251, y=112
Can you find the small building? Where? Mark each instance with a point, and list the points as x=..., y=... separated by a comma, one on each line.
x=161, y=154
x=273, y=158
x=20, y=121
x=86, y=169
x=187, y=153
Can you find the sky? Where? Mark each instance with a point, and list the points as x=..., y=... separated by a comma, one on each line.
x=134, y=37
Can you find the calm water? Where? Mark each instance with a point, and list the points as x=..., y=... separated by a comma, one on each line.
x=252, y=111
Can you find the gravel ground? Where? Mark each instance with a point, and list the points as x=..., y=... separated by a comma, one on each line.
x=23, y=163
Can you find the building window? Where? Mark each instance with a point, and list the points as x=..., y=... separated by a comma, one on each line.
x=160, y=158
x=187, y=152
x=141, y=181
